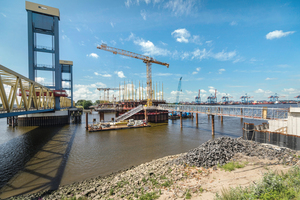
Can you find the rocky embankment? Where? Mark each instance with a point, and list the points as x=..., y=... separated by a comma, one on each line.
x=166, y=176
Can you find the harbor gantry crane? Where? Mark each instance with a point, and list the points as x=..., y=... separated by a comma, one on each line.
x=274, y=98
x=146, y=59
x=225, y=99
x=107, y=90
x=245, y=99
x=198, y=98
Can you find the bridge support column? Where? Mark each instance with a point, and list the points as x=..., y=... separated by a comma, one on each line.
x=146, y=116
x=196, y=119
x=180, y=119
x=86, y=121
x=213, y=125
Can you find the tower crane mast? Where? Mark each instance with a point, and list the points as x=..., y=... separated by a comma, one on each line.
x=146, y=59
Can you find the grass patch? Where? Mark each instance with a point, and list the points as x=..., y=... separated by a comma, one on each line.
x=167, y=183
x=111, y=191
x=188, y=195
x=163, y=177
x=232, y=166
x=144, y=180
x=271, y=186
x=149, y=196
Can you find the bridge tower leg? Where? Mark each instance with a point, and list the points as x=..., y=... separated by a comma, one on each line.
x=213, y=125
x=43, y=23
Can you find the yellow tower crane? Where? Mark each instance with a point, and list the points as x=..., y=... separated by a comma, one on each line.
x=146, y=59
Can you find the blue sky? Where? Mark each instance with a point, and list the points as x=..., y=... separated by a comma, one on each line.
x=236, y=47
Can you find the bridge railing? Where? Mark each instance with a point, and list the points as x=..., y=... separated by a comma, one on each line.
x=262, y=113
x=18, y=93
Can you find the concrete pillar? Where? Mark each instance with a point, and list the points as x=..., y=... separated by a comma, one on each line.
x=180, y=119
x=213, y=125
x=197, y=119
x=86, y=121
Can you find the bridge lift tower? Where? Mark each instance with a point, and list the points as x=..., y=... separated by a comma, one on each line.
x=43, y=23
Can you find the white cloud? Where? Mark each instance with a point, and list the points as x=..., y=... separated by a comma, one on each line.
x=233, y=23
x=94, y=55
x=200, y=54
x=259, y=91
x=224, y=55
x=180, y=7
x=4, y=15
x=202, y=91
x=290, y=90
x=88, y=92
x=64, y=37
x=185, y=55
x=150, y=49
x=112, y=24
x=143, y=14
x=163, y=74
x=190, y=92
x=103, y=75
x=113, y=42
x=221, y=71
x=269, y=79
x=78, y=29
x=181, y=35
x=197, y=70
x=209, y=43
x=40, y=80
x=127, y=3
x=120, y=74
x=278, y=34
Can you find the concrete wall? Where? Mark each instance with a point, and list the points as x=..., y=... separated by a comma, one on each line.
x=47, y=114
x=276, y=124
x=294, y=121
x=109, y=115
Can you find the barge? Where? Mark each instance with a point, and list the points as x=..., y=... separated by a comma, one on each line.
x=118, y=125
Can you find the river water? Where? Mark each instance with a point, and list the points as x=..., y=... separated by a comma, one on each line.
x=38, y=158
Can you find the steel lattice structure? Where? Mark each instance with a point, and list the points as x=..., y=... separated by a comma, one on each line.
x=25, y=96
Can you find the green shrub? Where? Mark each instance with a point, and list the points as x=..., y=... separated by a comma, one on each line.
x=149, y=196
x=271, y=186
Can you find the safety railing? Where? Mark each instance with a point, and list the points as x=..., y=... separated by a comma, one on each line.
x=261, y=113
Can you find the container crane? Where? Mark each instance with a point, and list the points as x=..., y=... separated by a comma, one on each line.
x=245, y=99
x=146, y=59
x=225, y=99
x=212, y=99
x=274, y=98
x=178, y=91
x=197, y=98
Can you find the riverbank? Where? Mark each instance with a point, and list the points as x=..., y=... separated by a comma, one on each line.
x=174, y=177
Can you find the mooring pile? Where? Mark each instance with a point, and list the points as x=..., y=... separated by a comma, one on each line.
x=221, y=150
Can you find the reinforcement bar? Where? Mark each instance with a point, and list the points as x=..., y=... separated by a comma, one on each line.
x=33, y=98
x=260, y=113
